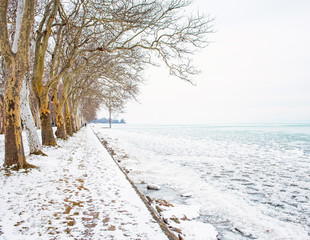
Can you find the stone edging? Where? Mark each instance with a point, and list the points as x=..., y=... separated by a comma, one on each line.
x=154, y=213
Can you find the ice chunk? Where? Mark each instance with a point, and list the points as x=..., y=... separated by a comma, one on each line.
x=153, y=187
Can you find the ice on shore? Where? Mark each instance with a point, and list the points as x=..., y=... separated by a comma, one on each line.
x=248, y=182
x=198, y=230
x=187, y=195
x=153, y=187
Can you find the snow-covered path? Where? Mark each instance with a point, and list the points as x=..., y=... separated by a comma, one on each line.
x=77, y=193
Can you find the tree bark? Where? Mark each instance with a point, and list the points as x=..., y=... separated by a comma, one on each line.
x=14, y=148
x=47, y=133
x=61, y=131
x=74, y=125
x=77, y=121
x=1, y=114
x=68, y=118
x=16, y=62
x=27, y=118
x=35, y=111
x=40, y=90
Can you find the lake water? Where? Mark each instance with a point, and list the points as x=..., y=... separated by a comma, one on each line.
x=249, y=181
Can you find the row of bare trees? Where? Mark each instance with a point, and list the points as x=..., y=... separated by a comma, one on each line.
x=77, y=55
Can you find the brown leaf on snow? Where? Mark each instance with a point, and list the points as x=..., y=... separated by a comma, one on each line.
x=112, y=228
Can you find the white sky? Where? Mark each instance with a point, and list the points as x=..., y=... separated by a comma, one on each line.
x=256, y=70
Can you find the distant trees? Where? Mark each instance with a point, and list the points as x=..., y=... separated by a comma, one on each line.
x=106, y=120
x=86, y=54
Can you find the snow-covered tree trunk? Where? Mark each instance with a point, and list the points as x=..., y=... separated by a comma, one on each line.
x=35, y=111
x=25, y=112
x=19, y=18
x=27, y=118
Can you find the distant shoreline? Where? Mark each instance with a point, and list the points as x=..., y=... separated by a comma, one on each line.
x=213, y=124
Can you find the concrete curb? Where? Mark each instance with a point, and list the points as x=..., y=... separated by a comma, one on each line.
x=154, y=213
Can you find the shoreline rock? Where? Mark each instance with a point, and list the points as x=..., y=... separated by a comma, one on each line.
x=153, y=187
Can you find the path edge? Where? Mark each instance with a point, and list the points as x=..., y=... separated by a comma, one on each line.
x=153, y=212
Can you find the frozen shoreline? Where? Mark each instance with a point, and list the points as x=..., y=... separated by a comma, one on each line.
x=150, y=158
x=175, y=217
x=150, y=151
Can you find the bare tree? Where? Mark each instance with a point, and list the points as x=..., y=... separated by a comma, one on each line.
x=42, y=39
x=34, y=143
x=89, y=108
x=158, y=28
x=94, y=50
x=152, y=29
x=16, y=60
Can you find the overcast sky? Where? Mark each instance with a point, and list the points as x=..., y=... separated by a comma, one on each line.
x=256, y=70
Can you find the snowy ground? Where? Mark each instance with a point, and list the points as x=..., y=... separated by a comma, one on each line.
x=77, y=192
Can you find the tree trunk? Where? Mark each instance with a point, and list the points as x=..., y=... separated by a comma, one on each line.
x=26, y=116
x=68, y=118
x=74, y=127
x=47, y=133
x=61, y=131
x=1, y=114
x=35, y=111
x=14, y=148
x=77, y=122
x=16, y=61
